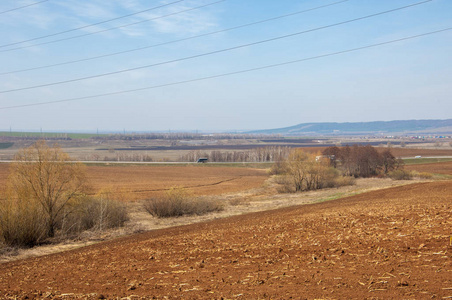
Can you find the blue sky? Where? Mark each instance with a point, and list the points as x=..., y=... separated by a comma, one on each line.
x=410, y=79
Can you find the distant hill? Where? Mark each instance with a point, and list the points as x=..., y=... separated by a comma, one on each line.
x=361, y=128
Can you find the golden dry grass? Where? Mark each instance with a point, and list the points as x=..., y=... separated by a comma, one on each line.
x=387, y=244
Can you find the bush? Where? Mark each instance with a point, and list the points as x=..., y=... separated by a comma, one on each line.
x=344, y=181
x=400, y=175
x=285, y=184
x=22, y=223
x=178, y=202
x=330, y=180
x=94, y=213
x=278, y=168
x=425, y=175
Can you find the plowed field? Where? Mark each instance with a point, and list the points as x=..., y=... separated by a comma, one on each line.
x=412, y=152
x=131, y=182
x=140, y=182
x=439, y=168
x=386, y=244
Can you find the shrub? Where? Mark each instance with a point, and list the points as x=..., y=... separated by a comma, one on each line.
x=94, y=213
x=328, y=178
x=285, y=184
x=401, y=175
x=344, y=181
x=22, y=223
x=178, y=202
x=46, y=199
x=425, y=175
x=278, y=168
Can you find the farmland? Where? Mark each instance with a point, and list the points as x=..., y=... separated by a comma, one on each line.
x=143, y=181
x=140, y=182
x=172, y=148
x=378, y=239
x=437, y=168
x=392, y=243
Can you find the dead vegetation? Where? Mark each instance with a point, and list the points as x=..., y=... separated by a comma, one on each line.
x=382, y=244
x=46, y=199
x=392, y=243
x=178, y=202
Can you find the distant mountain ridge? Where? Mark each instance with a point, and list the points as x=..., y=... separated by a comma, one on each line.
x=360, y=128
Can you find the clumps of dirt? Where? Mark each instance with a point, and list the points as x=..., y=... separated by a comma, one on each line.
x=392, y=243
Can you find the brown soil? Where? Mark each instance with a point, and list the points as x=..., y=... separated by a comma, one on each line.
x=438, y=168
x=132, y=182
x=387, y=244
x=412, y=152
x=400, y=152
x=140, y=182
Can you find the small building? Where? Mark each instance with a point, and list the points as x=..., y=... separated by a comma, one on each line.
x=202, y=160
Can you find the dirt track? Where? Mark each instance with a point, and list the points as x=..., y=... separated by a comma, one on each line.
x=387, y=244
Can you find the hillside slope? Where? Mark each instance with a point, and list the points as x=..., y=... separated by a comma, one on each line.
x=391, y=243
x=407, y=127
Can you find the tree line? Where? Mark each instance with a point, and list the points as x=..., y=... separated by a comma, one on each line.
x=261, y=154
x=334, y=167
x=362, y=161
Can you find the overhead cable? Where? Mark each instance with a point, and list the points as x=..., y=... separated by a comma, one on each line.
x=174, y=41
x=111, y=28
x=208, y=53
x=90, y=25
x=230, y=73
x=20, y=7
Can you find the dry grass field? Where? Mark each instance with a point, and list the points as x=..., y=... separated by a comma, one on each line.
x=438, y=168
x=386, y=244
x=134, y=182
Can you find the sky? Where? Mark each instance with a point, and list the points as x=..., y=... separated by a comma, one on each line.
x=228, y=65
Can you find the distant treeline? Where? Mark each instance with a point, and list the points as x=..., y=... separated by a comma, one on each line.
x=182, y=136
x=262, y=154
x=36, y=137
x=134, y=136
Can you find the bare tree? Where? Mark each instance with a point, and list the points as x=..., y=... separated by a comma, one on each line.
x=47, y=176
x=308, y=171
x=362, y=161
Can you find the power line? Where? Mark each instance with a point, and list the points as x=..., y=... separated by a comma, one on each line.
x=229, y=74
x=174, y=41
x=212, y=52
x=20, y=7
x=90, y=25
x=112, y=28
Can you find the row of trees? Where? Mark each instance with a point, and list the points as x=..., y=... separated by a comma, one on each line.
x=183, y=136
x=303, y=171
x=261, y=154
x=362, y=161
